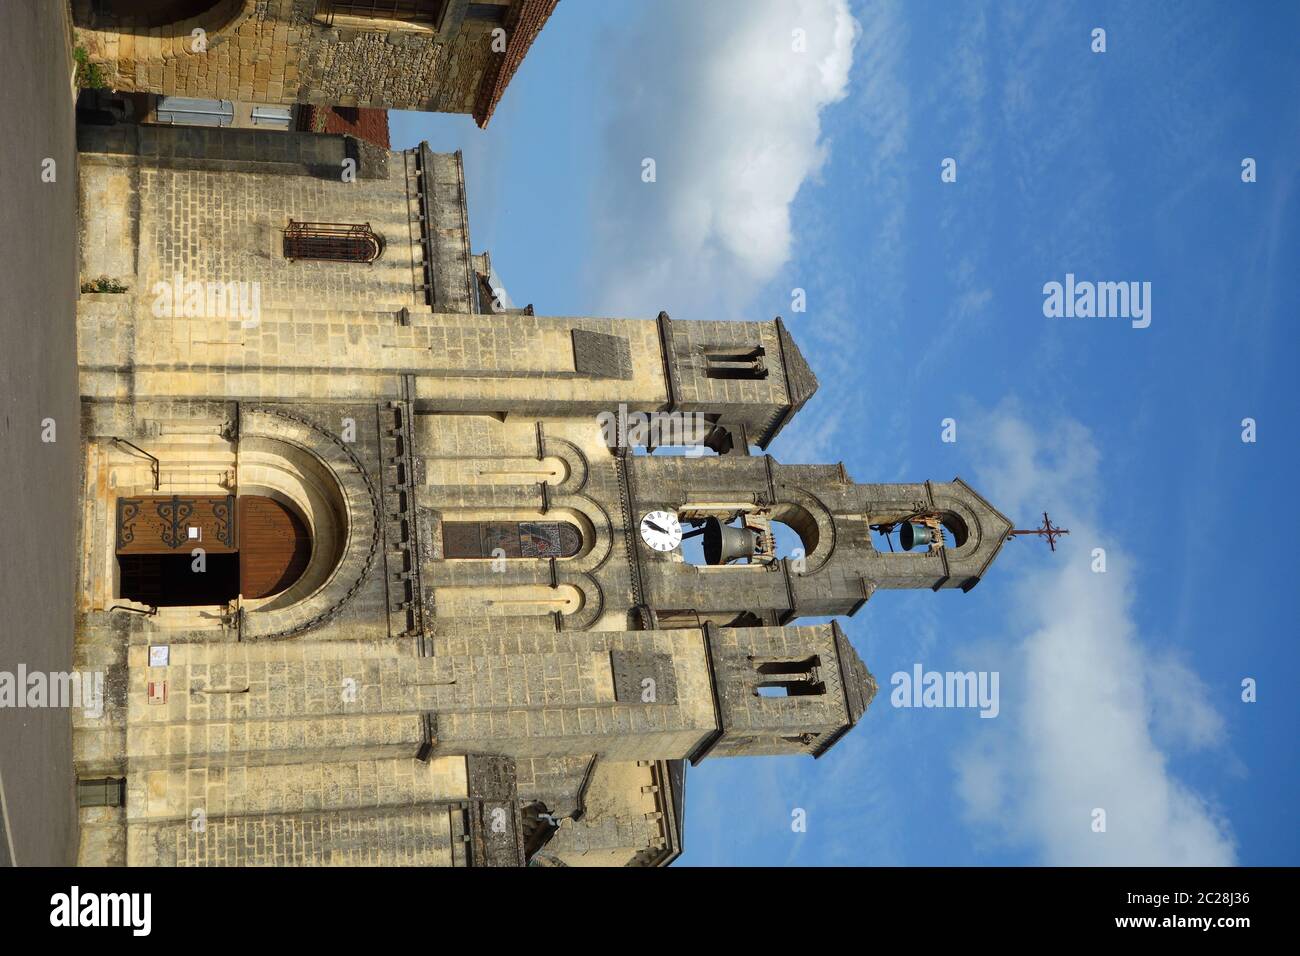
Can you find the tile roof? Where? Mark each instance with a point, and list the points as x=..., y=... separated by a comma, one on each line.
x=532, y=16
x=361, y=122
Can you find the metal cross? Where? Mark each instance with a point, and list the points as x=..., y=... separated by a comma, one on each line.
x=1048, y=531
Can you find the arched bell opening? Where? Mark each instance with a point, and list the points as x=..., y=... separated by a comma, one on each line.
x=920, y=532
x=955, y=530
x=726, y=540
x=759, y=537
x=798, y=535
x=692, y=434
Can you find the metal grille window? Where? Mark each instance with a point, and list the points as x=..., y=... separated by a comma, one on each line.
x=331, y=242
x=101, y=792
x=424, y=12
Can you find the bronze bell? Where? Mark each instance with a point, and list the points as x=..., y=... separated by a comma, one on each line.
x=724, y=543
x=915, y=536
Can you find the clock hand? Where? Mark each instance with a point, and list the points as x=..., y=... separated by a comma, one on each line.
x=651, y=524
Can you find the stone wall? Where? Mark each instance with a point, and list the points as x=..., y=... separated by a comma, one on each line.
x=284, y=51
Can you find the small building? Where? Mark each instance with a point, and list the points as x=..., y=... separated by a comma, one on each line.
x=449, y=56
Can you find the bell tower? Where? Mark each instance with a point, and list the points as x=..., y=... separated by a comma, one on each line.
x=784, y=690
x=943, y=535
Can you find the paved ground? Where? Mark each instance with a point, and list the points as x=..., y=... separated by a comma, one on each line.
x=38, y=380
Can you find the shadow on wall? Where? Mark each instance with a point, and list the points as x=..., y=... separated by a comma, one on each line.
x=171, y=17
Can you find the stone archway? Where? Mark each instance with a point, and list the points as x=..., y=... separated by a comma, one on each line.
x=316, y=477
x=318, y=507
x=153, y=13
x=175, y=23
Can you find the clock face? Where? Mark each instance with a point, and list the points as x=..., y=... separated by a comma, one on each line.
x=661, y=530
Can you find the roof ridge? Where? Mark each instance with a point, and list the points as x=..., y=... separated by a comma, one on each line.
x=523, y=30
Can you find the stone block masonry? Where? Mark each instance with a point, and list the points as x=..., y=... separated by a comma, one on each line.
x=319, y=52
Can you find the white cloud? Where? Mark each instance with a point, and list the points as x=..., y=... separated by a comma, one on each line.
x=1088, y=706
x=1181, y=715
x=730, y=113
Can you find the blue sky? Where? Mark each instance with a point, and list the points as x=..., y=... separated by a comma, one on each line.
x=820, y=170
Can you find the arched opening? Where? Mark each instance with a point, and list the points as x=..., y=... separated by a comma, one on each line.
x=919, y=532
x=789, y=678
x=154, y=13
x=199, y=551
x=172, y=18
x=718, y=539
x=309, y=488
x=693, y=434
x=954, y=529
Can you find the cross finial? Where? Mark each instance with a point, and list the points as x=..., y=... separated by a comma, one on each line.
x=1048, y=531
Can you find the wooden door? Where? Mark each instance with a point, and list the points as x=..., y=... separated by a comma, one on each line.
x=274, y=546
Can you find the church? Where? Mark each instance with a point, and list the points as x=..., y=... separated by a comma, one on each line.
x=369, y=575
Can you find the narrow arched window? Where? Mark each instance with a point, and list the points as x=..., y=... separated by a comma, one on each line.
x=510, y=539
x=789, y=678
x=331, y=242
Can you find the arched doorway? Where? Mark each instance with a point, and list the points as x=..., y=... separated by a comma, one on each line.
x=154, y=13
x=196, y=550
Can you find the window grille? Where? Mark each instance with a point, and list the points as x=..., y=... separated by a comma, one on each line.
x=101, y=792
x=425, y=12
x=332, y=242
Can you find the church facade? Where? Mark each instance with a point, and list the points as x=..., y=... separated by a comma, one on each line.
x=369, y=566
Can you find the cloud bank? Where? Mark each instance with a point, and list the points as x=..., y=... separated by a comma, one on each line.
x=1097, y=715
x=726, y=99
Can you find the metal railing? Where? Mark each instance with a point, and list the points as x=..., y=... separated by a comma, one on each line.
x=154, y=465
